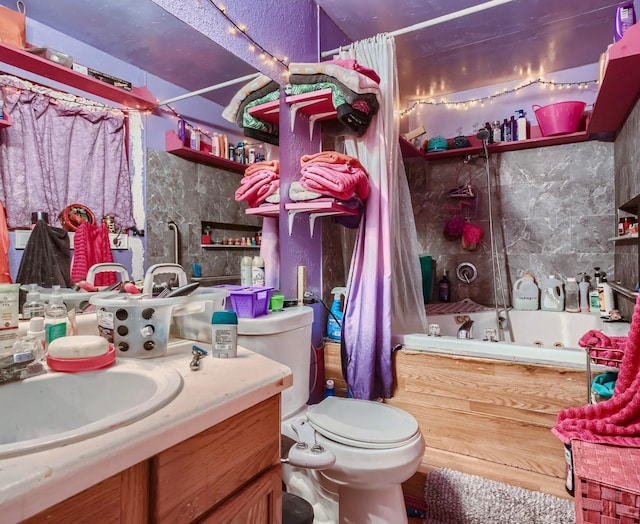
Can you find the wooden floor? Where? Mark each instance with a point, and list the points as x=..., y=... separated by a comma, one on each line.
x=482, y=418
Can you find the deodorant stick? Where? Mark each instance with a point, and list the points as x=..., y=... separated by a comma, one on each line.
x=224, y=334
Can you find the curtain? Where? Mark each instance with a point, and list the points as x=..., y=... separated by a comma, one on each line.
x=384, y=291
x=61, y=150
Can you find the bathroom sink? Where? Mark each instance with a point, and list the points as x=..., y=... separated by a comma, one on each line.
x=55, y=409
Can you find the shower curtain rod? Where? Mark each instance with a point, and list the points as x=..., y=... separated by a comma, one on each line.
x=434, y=21
x=208, y=89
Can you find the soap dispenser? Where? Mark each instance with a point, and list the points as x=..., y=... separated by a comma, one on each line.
x=521, y=125
x=33, y=306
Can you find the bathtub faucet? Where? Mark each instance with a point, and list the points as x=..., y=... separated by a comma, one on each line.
x=464, y=331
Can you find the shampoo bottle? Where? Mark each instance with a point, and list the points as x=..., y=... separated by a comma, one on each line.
x=584, y=294
x=521, y=125
x=605, y=294
x=444, y=287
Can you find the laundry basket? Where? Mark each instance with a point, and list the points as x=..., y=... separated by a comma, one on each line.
x=607, y=483
x=559, y=118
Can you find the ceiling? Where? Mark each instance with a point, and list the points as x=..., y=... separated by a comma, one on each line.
x=514, y=41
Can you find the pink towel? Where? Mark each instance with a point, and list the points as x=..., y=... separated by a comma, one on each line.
x=615, y=421
x=337, y=180
x=91, y=246
x=255, y=188
x=598, y=344
x=264, y=165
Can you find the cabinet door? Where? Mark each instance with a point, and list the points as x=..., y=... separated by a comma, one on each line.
x=258, y=503
x=190, y=479
x=121, y=499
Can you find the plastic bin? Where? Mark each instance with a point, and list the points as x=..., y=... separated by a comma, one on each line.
x=248, y=301
x=196, y=324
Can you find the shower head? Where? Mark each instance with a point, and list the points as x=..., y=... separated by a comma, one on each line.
x=483, y=134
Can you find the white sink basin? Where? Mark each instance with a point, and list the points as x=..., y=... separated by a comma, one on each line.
x=54, y=409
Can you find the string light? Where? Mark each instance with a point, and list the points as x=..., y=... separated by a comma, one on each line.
x=464, y=104
x=237, y=28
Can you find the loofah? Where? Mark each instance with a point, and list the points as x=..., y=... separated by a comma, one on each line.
x=471, y=236
x=453, y=227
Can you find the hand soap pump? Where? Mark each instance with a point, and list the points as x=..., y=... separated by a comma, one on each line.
x=55, y=316
x=34, y=306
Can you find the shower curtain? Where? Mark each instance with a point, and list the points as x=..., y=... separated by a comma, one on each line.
x=384, y=287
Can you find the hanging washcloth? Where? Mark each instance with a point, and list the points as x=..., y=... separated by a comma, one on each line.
x=91, y=246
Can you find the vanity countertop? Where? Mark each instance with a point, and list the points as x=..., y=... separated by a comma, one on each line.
x=221, y=388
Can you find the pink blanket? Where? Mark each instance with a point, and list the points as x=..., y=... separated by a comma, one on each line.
x=615, y=421
x=340, y=181
x=255, y=188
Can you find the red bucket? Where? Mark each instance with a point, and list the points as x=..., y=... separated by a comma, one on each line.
x=559, y=118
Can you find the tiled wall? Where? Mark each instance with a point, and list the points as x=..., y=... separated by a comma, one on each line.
x=553, y=213
x=188, y=193
x=627, y=160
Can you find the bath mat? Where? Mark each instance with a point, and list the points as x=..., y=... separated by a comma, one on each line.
x=465, y=305
x=453, y=497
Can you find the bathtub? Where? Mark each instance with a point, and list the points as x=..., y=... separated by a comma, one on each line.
x=540, y=337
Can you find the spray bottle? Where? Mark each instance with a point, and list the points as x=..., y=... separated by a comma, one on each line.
x=334, y=321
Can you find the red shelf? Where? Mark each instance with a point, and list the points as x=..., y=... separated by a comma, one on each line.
x=269, y=112
x=175, y=147
x=138, y=98
x=620, y=87
x=267, y=210
x=409, y=151
x=313, y=103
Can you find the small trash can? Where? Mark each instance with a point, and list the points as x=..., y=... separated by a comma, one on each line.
x=296, y=510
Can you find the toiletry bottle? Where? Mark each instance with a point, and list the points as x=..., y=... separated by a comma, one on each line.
x=487, y=126
x=195, y=140
x=224, y=334
x=329, y=389
x=257, y=271
x=36, y=330
x=526, y=294
x=33, y=306
x=625, y=17
x=584, y=294
x=496, y=132
x=215, y=145
x=521, y=125
x=55, y=317
x=506, y=131
x=182, y=132
x=605, y=294
x=552, y=295
x=444, y=288
x=572, y=296
x=246, y=278
x=334, y=319
x=513, y=124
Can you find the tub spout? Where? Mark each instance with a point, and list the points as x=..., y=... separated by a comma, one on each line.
x=464, y=331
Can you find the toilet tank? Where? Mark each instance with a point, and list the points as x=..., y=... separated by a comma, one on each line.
x=283, y=336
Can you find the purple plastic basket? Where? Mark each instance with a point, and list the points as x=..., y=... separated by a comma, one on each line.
x=249, y=301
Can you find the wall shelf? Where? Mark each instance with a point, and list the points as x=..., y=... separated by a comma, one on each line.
x=137, y=98
x=266, y=210
x=317, y=209
x=620, y=86
x=174, y=145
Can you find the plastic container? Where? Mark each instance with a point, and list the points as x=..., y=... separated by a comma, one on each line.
x=248, y=302
x=329, y=389
x=193, y=321
x=552, y=294
x=624, y=19
x=605, y=294
x=583, y=286
x=334, y=320
x=559, y=118
x=55, y=317
x=246, y=278
x=521, y=125
x=526, y=294
x=572, y=296
x=224, y=334
x=33, y=306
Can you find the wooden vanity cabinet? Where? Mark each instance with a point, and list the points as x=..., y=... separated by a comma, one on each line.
x=229, y=473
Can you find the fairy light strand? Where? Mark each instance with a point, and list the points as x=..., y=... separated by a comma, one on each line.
x=253, y=45
x=480, y=100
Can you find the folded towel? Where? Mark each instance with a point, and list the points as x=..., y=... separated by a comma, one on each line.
x=337, y=180
x=331, y=157
x=297, y=193
x=615, y=421
x=255, y=188
x=263, y=165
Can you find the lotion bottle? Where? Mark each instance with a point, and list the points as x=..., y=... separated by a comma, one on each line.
x=584, y=294
x=246, y=272
x=257, y=271
x=521, y=125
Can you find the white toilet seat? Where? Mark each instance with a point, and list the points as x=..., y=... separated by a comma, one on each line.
x=362, y=423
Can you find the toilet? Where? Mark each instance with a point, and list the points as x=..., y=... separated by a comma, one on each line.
x=352, y=455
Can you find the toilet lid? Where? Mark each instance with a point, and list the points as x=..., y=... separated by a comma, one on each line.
x=362, y=423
